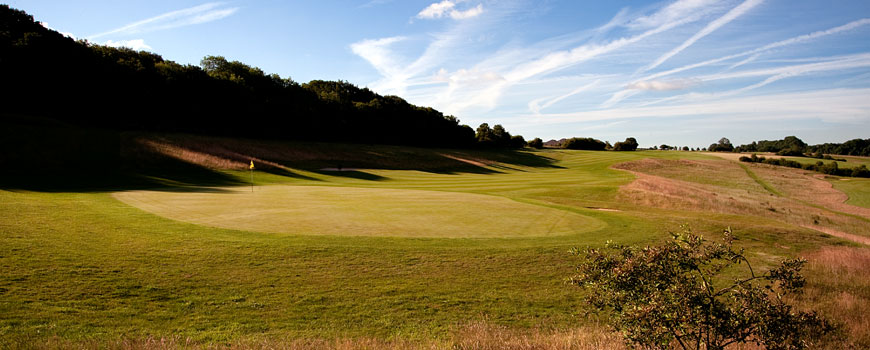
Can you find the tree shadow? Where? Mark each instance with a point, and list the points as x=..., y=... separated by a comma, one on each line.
x=353, y=174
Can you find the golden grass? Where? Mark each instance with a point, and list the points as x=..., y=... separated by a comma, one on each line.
x=476, y=336
x=725, y=187
x=838, y=286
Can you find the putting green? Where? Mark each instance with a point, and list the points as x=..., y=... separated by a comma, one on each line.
x=350, y=211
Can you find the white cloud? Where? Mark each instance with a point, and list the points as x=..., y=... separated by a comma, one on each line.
x=135, y=44
x=711, y=27
x=448, y=8
x=791, y=41
x=535, y=106
x=194, y=15
x=378, y=54
x=66, y=34
x=472, y=12
x=838, y=105
x=661, y=85
x=681, y=10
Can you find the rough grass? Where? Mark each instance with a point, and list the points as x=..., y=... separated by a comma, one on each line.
x=476, y=336
x=838, y=286
x=84, y=270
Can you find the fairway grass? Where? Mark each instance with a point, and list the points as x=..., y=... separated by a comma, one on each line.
x=381, y=254
x=341, y=211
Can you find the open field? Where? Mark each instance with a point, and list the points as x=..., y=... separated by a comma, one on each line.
x=467, y=246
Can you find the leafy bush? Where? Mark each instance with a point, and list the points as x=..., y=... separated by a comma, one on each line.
x=674, y=296
x=536, y=143
x=585, y=143
x=791, y=152
x=861, y=171
x=630, y=144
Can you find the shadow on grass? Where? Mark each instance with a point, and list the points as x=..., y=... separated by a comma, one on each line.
x=354, y=174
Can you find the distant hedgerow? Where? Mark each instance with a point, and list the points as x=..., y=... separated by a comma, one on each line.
x=830, y=168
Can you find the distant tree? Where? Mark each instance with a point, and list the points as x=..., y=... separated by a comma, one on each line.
x=484, y=135
x=686, y=148
x=517, y=141
x=675, y=295
x=665, y=147
x=536, y=143
x=724, y=145
x=501, y=137
x=630, y=144
x=585, y=143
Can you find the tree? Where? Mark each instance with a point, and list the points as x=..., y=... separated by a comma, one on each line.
x=536, y=143
x=674, y=295
x=517, y=141
x=724, y=145
x=585, y=143
x=630, y=144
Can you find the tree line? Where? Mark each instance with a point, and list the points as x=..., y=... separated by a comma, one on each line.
x=46, y=74
x=793, y=146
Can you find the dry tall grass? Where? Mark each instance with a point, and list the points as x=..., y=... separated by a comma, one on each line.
x=725, y=187
x=477, y=336
x=838, y=285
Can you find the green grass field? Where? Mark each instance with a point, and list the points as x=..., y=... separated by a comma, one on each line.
x=857, y=189
x=384, y=253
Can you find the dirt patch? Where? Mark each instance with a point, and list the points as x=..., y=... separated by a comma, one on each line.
x=603, y=209
x=840, y=234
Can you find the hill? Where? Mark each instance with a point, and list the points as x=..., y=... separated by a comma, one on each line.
x=46, y=74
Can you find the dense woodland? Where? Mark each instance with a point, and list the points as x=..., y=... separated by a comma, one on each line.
x=793, y=146
x=46, y=74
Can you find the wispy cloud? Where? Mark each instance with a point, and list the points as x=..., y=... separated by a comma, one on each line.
x=194, y=15
x=135, y=44
x=447, y=8
x=580, y=76
x=711, y=27
x=843, y=105
x=662, y=85
x=539, y=104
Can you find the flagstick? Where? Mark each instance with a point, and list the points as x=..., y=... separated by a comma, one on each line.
x=252, y=180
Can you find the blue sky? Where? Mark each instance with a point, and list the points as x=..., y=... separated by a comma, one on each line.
x=683, y=72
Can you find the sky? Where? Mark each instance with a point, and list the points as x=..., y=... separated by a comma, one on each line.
x=679, y=72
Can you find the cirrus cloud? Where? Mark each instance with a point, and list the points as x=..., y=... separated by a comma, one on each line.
x=447, y=8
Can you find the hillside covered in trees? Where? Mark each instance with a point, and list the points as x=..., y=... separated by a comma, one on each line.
x=793, y=146
x=46, y=74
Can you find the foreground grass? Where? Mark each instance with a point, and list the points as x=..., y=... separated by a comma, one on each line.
x=85, y=267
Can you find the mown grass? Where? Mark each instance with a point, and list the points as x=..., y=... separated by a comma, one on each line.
x=85, y=268
x=857, y=189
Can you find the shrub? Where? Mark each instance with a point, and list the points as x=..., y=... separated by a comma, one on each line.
x=860, y=171
x=630, y=144
x=536, y=143
x=673, y=296
x=585, y=143
x=791, y=152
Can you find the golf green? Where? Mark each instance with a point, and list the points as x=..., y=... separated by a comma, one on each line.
x=350, y=211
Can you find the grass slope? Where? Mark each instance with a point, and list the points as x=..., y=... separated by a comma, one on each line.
x=84, y=265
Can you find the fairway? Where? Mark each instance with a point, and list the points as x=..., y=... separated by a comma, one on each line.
x=350, y=211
